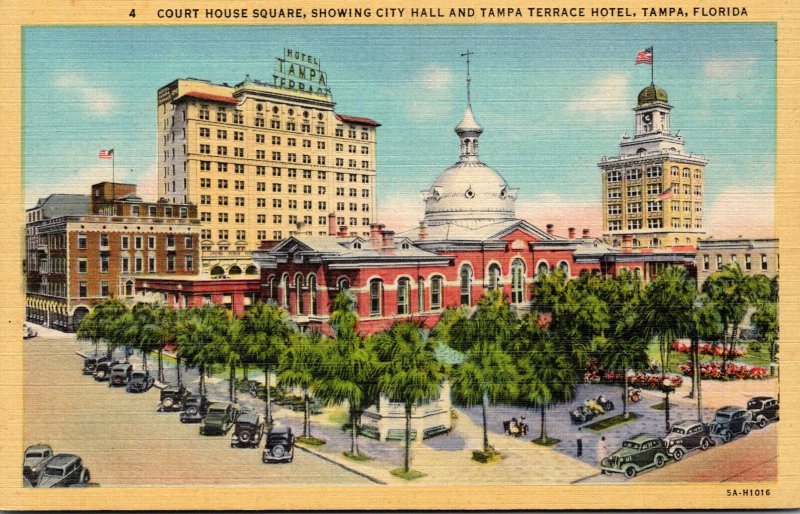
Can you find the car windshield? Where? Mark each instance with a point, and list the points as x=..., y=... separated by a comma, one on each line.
x=630, y=444
x=678, y=430
x=753, y=404
x=54, y=472
x=723, y=417
x=34, y=455
x=216, y=410
x=138, y=375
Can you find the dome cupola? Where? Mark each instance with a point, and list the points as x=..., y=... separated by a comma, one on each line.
x=652, y=94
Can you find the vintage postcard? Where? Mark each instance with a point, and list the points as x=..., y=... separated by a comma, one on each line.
x=359, y=255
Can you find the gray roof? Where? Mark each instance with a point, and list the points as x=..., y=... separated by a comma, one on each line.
x=334, y=248
x=465, y=231
x=57, y=205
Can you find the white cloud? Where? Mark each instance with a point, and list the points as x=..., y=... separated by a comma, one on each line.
x=554, y=208
x=95, y=100
x=428, y=93
x=728, y=68
x=608, y=97
x=742, y=211
x=435, y=77
x=401, y=212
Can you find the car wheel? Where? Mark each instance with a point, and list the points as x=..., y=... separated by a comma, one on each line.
x=168, y=403
x=85, y=476
x=727, y=436
x=245, y=437
x=101, y=374
x=704, y=444
x=677, y=454
x=630, y=472
x=278, y=451
x=762, y=422
x=746, y=428
x=191, y=411
x=660, y=460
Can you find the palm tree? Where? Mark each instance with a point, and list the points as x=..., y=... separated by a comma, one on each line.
x=765, y=319
x=89, y=329
x=122, y=332
x=231, y=346
x=622, y=351
x=547, y=378
x=409, y=372
x=300, y=367
x=268, y=332
x=707, y=325
x=103, y=317
x=732, y=292
x=665, y=314
x=156, y=329
x=487, y=374
x=196, y=335
x=348, y=372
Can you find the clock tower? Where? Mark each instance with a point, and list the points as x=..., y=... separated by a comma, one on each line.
x=653, y=190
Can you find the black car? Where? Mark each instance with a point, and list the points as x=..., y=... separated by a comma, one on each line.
x=220, y=418
x=102, y=370
x=120, y=374
x=763, y=409
x=637, y=454
x=730, y=422
x=64, y=470
x=194, y=409
x=172, y=397
x=140, y=382
x=686, y=436
x=280, y=445
x=248, y=431
x=90, y=364
x=35, y=460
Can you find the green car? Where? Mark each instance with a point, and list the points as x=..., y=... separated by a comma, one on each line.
x=637, y=454
x=220, y=418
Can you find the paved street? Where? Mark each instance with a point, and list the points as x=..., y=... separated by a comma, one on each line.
x=125, y=442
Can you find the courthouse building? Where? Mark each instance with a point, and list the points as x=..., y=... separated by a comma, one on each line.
x=653, y=190
x=82, y=249
x=755, y=256
x=262, y=159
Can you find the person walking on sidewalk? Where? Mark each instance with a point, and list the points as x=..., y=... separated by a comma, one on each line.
x=580, y=443
x=602, y=449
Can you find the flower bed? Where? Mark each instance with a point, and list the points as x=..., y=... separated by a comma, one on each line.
x=595, y=375
x=708, y=349
x=732, y=371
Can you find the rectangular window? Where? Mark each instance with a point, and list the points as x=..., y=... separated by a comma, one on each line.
x=82, y=265
x=137, y=265
x=82, y=291
x=706, y=264
x=170, y=262
x=151, y=242
x=104, y=264
x=189, y=263
x=764, y=262
x=747, y=264
x=125, y=264
x=375, y=294
x=719, y=262
x=436, y=293
x=151, y=264
x=125, y=241
x=103, y=288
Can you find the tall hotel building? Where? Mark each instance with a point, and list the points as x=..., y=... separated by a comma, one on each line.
x=265, y=160
x=653, y=190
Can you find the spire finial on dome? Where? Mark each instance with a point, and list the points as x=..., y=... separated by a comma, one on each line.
x=467, y=54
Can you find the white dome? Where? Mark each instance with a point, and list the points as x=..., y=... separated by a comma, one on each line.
x=469, y=191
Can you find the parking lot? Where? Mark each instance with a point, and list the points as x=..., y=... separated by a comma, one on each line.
x=125, y=442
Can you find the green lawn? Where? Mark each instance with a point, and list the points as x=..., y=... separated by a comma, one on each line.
x=753, y=358
x=605, y=424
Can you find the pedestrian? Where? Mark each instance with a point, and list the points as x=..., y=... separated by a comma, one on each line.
x=580, y=443
x=602, y=449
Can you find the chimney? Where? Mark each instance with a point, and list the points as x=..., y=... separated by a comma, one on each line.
x=342, y=231
x=375, y=235
x=571, y=233
x=627, y=243
x=586, y=233
x=331, y=224
x=423, y=230
x=549, y=229
x=387, y=241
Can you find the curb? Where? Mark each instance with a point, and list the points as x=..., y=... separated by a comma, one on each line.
x=585, y=478
x=341, y=465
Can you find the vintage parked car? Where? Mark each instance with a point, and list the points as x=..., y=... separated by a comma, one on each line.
x=27, y=331
x=172, y=398
x=90, y=364
x=730, y=422
x=637, y=454
x=35, y=460
x=64, y=470
x=120, y=374
x=686, y=436
x=194, y=409
x=763, y=409
x=220, y=418
x=102, y=370
x=279, y=446
x=248, y=431
x=140, y=381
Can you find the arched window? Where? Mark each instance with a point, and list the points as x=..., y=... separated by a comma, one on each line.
x=421, y=294
x=217, y=271
x=298, y=290
x=564, y=266
x=436, y=293
x=375, y=297
x=129, y=288
x=285, y=291
x=542, y=269
x=235, y=270
x=518, y=281
x=403, y=287
x=466, y=285
x=494, y=276
x=312, y=295
x=272, y=283
x=251, y=270
x=654, y=242
x=343, y=284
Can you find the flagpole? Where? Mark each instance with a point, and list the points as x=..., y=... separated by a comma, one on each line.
x=652, y=66
x=113, y=176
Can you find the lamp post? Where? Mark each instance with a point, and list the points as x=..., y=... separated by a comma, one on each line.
x=667, y=387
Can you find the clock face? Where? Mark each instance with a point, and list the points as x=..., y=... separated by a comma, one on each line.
x=647, y=118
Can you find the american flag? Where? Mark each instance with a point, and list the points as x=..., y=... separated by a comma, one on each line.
x=645, y=56
x=106, y=154
x=666, y=194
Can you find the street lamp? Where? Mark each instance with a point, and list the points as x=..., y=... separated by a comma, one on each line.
x=667, y=387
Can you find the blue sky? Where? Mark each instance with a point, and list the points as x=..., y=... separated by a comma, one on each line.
x=553, y=100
